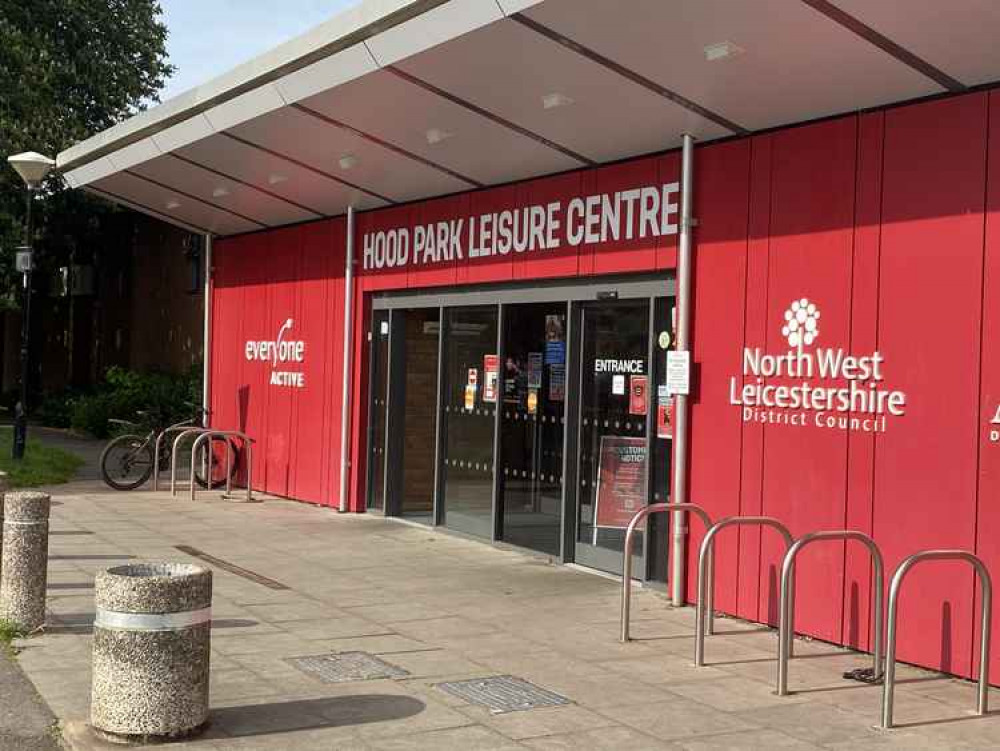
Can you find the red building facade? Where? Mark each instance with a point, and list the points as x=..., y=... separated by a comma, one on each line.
x=843, y=370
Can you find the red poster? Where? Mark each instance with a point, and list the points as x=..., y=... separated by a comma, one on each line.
x=621, y=481
x=637, y=392
x=491, y=375
x=665, y=418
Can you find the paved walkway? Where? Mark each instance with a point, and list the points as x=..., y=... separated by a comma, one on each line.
x=443, y=608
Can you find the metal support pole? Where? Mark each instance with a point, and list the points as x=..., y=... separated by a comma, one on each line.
x=786, y=608
x=640, y=516
x=345, y=399
x=986, y=617
x=206, y=357
x=682, y=335
x=21, y=408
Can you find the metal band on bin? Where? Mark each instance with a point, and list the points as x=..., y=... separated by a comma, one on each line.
x=111, y=619
x=16, y=523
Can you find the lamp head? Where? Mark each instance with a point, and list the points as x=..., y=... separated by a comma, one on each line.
x=32, y=167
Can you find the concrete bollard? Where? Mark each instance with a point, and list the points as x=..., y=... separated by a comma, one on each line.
x=24, y=559
x=152, y=639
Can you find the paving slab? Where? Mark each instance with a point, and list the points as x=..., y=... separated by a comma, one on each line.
x=445, y=608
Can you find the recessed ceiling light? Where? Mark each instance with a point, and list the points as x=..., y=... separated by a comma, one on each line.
x=437, y=135
x=173, y=204
x=347, y=161
x=555, y=99
x=275, y=179
x=722, y=51
x=220, y=192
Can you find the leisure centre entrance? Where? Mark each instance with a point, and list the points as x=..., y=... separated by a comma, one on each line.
x=536, y=416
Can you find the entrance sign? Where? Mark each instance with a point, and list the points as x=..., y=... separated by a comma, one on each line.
x=621, y=481
x=824, y=388
x=679, y=372
x=599, y=219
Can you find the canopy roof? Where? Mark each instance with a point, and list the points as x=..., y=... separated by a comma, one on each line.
x=397, y=100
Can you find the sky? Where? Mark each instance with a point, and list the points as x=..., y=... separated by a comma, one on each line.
x=209, y=37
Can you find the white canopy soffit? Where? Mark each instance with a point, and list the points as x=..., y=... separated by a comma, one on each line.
x=397, y=100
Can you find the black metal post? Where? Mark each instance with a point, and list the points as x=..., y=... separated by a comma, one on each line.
x=21, y=408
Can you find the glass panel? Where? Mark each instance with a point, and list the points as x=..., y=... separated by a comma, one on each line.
x=379, y=399
x=469, y=420
x=533, y=391
x=662, y=406
x=614, y=400
x=420, y=357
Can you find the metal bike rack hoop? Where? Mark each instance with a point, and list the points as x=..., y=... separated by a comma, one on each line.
x=986, y=616
x=786, y=608
x=227, y=434
x=185, y=434
x=639, y=517
x=160, y=437
x=706, y=571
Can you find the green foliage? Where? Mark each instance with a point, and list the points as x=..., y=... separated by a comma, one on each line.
x=9, y=632
x=68, y=69
x=41, y=465
x=163, y=397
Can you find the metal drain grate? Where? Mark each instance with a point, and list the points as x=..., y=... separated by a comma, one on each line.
x=346, y=666
x=232, y=568
x=503, y=693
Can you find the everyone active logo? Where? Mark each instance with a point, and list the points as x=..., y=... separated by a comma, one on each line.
x=820, y=387
x=280, y=351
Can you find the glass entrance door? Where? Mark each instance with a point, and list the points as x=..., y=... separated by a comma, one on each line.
x=469, y=419
x=614, y=428
x=533, y=392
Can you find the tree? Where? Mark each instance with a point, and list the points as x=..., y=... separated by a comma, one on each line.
x=69, y=69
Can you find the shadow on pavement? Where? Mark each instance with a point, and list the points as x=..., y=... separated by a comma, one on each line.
x=313, y=714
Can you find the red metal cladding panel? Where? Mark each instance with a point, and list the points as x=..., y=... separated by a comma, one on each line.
x=805, y=464
x=754, y=334
x=499, y=266
x=282, y=261
x=252, y=387
x=641, y=201
x=929, y=333
x=864, y=325
x=332, y=414
x=540, y=228
x=722, y=175
x=668, y=169
x=988, y=516
x=317, y=316
x=226, y=293
x=439, y=241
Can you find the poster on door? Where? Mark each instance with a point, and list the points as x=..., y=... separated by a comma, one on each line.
x=491, y=377
x=665, y=417
x=621, y=481
x=637, y=396
x=534, y=370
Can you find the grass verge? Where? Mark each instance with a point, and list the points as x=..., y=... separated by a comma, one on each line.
x=42, y=465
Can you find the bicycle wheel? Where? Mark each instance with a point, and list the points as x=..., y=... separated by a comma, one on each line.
x=217, y=457
x=127, y=462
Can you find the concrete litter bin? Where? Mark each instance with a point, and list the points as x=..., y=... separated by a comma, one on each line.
x=152, y=639
x=24, y=559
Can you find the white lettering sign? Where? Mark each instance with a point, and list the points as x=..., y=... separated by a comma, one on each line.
x=862, y=404
x=279, y=352
x=645, y=212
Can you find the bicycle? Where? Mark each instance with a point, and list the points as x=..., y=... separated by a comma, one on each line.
x=127, y=460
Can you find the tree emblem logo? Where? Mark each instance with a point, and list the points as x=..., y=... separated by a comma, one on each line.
x=801, y=323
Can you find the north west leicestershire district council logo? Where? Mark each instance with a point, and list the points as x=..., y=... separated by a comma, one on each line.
x=801, y=323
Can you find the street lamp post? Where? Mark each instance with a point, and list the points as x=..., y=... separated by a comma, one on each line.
x=33, y=168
